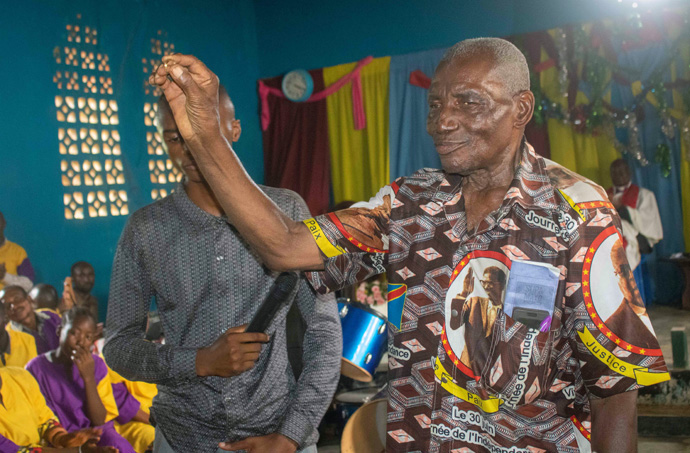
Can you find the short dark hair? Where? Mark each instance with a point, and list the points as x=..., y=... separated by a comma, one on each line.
x=71, y=315
x=11, y=288
x=79, y=264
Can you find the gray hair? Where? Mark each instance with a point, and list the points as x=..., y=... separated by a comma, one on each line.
x=510, y=62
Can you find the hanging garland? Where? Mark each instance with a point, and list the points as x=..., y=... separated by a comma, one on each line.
x=593, y=54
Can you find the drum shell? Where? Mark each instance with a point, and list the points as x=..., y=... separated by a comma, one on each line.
x=365, y=339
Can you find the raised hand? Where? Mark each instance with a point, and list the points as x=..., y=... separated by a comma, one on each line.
x=468, y=284
x=272, y=443
x=233, y=353
x=83, y=359
x=192, y=92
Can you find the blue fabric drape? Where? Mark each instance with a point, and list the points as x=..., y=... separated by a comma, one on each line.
x=411, y=148
x=665, y=279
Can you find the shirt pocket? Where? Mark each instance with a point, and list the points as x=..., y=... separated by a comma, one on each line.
x=519, y=362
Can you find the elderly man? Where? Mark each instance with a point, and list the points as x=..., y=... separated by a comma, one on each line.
x=216, y=382
x=16, y=348
x=43, y=326
x=492, y=203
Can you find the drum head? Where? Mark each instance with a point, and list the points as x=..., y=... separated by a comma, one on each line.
x=349, y=369
x=365, y=431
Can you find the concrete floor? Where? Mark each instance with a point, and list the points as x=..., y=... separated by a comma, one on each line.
x=663, y=319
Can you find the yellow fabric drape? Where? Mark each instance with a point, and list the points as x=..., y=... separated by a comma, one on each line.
x=685, y=193
x=586, y=154
x=359, y=159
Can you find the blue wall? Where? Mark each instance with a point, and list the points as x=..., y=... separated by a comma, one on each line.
x=241, y=40
x=222, y=33
x=313, y=34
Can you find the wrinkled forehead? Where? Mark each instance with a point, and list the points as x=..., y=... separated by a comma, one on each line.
x=470, y=70
x=12, y=296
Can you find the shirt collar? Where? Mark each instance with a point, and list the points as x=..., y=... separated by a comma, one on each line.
x=196, y=217
x=531, y=188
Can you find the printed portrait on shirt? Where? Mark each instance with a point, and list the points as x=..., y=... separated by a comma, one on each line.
x=576, y=187
x=613, y=300
x=473, y=302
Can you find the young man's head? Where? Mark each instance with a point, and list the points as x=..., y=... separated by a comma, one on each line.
x=83, y=277
x=18, y=304
x=78, y=328
x=44, y=296
x=175, y=145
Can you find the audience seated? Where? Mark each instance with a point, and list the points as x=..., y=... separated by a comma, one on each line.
x=75, y=383
x=15, y=267
x=26, y=422
x=134, y=399
x=43, y=326
x=78, y=288
x=16, y=348
x=45, y=298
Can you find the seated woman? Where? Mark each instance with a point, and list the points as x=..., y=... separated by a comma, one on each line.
x=26, y=421
x=75, y=383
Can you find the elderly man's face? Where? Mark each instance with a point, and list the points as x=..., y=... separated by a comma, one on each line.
x=17, y=306
x=471, y=115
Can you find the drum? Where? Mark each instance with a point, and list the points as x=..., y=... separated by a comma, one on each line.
x=365, y=431
x=364, y=339
x=348, y=402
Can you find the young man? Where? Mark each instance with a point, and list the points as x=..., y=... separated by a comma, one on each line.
x=78, y=288
x=493, y=204
x=215, y=382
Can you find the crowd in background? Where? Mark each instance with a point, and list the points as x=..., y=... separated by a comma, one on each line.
x=56, y=392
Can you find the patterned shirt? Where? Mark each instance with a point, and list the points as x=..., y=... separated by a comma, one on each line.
x=464, y=376
x=206, y=279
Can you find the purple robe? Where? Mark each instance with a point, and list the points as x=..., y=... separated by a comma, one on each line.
x=66, y=397
x=127, y=405
x=46, y=333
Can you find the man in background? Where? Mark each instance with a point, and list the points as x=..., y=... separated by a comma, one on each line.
x=216, y=383
x=15, y=267
x=16, y=348
x=43, y=326
x=45, y=298
x=78, y=288
x=641, y=221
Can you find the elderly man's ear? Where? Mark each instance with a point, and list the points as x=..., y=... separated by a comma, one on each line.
x=236, y=130
x=525, y=109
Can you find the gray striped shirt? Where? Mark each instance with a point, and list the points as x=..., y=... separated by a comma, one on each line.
x=206, y=279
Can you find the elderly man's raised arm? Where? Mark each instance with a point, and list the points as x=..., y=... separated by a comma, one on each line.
x=192, y=92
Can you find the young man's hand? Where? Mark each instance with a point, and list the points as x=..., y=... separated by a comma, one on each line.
x=272, y=443
x=233, y=353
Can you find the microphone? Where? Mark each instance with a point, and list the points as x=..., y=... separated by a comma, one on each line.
x=279, y=293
